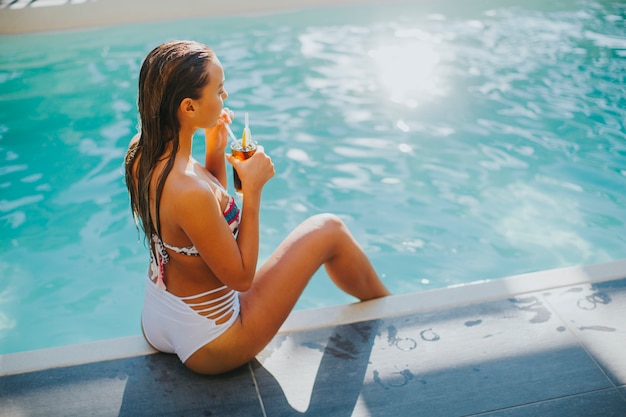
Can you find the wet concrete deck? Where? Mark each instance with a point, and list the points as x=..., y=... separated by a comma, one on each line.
x=557, y=351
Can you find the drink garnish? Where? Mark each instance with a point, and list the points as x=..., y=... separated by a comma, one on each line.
x=247, y=135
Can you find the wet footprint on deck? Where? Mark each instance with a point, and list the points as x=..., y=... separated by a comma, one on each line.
x=402, y=343
x=591, y=302
x=532, y=304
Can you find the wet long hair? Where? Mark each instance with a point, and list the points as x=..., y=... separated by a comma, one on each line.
x=170, y=73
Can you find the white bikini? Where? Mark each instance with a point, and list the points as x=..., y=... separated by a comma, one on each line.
x=182, y=325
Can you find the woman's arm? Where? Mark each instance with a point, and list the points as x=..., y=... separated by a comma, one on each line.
x=232, y=261
x=216, y=140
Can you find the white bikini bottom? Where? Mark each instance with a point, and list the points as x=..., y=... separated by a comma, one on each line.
x=174, y=324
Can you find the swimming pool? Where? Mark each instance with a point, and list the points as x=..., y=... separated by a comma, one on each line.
x=458, y=143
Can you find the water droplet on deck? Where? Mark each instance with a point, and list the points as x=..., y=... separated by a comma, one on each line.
x=598, y=328
x=429, y=335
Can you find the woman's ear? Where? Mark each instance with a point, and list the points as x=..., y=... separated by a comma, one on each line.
x=186, y=107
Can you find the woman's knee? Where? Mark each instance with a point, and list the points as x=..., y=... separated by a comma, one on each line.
x=329, y=223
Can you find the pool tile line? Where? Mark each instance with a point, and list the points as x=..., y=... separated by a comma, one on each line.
x=622, y=391
x=256, y=388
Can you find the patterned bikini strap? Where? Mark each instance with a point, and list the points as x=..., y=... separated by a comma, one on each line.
x=187, y=250
x=157, y=265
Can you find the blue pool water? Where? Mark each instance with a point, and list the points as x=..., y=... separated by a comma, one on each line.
x=459, y=142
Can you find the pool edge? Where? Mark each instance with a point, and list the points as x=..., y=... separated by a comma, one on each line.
x=454, y=296
x=302, y=320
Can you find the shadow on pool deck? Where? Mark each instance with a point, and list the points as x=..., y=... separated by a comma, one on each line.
x=559, y=351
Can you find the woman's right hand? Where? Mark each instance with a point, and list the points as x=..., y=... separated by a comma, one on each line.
x=217, y=136
x=255, y=171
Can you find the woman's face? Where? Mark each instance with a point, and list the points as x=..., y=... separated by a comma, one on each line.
x=211, y=101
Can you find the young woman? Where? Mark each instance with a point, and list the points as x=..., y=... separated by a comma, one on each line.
x=205, y=299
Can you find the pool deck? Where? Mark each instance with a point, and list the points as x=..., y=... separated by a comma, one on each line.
x=551, y=343
x=27, y=16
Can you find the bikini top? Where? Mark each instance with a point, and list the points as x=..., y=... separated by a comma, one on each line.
x=232, y=216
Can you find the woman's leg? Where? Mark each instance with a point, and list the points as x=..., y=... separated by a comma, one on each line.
x=320, y=240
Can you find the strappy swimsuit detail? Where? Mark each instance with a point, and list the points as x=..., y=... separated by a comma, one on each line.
x=182, y=325
x=217, y=308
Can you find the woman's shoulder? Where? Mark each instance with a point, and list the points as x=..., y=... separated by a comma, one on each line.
x=186, y=197
x=185, y=186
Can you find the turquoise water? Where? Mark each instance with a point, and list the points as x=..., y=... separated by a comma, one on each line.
x=458, y=142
